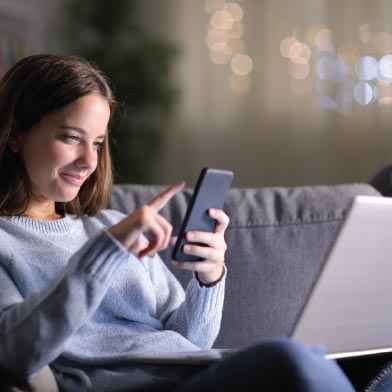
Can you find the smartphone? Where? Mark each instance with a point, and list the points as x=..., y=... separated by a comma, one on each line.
x=210, y=192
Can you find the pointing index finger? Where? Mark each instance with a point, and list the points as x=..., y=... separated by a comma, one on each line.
x=159, y=201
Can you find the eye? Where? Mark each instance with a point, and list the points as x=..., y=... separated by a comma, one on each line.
x=98, y=145
x=71, y=139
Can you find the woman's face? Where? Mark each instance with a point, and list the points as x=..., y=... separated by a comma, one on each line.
x=62, y=150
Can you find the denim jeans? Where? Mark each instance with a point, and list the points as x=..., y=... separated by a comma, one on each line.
x=272, y=366
x=383, y=381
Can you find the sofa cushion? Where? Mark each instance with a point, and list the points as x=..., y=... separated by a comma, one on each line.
x=278, y=239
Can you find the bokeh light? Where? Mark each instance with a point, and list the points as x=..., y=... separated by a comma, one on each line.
x=236, y=31
x=312, y=33
x=342, y=70
x=323, y=40
x=299, y=53
x=214, y=37
x=367, y=68
x=326, y=68
x=235, y=10
x=386, y=66
x=340, y=74
x=363, y=92
x=299, y=71
x=222, y=20
x=241, y=64
x=220, y=54
x=285, y=46
x=381, y=78
x=225, y=42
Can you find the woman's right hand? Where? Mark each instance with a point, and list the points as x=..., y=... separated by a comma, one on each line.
x=146, y=220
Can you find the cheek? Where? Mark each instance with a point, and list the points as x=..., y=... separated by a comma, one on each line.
x=39, y=163
x=58, y=155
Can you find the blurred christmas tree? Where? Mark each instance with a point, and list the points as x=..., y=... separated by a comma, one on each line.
x=108, y=34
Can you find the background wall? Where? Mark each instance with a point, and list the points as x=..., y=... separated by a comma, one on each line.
x=270, y=134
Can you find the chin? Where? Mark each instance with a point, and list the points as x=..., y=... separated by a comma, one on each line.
x=65, y=197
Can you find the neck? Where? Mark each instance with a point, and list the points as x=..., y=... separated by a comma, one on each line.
x=42, y=211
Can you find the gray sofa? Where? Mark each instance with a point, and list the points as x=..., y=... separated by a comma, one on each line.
x=278, y=239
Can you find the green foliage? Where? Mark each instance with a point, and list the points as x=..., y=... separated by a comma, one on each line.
x=108, y=34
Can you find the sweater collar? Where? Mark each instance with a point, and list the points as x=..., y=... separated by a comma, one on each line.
x=57, y=226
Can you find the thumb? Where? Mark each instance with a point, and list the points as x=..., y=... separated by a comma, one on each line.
x=173, y=240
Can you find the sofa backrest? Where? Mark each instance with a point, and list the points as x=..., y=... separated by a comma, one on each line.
x=278, y=239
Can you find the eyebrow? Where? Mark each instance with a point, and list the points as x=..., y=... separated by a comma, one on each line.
x=81, y=130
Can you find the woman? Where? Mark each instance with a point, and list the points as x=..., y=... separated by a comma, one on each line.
x=81, y=288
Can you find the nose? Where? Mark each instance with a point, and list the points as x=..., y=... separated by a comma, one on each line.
x=87, y=158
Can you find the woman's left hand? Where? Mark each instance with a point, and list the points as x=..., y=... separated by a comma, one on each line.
x=213, y=254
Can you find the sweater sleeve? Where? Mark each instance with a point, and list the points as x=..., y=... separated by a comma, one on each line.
x=34, y=329
x=196, y=313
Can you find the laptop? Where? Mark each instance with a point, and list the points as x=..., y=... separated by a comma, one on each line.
x=349, y=308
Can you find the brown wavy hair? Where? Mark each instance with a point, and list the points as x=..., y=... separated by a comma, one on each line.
x=30, y=90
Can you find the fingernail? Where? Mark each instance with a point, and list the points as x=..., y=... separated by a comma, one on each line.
x=187, y=248
x=212, y=211
x=190, y=236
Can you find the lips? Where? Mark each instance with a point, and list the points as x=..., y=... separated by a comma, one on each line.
x=74, y=179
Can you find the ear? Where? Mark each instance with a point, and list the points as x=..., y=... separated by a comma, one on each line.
x=14, y=138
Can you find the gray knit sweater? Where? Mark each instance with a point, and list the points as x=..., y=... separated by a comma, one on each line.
x=71, y=296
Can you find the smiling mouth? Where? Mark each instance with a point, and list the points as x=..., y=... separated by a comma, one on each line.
x=74, y=179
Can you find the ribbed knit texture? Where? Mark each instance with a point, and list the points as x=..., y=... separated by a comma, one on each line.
x=71, y=296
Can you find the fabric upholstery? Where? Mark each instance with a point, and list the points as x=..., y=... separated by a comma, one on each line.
x=278, y=239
